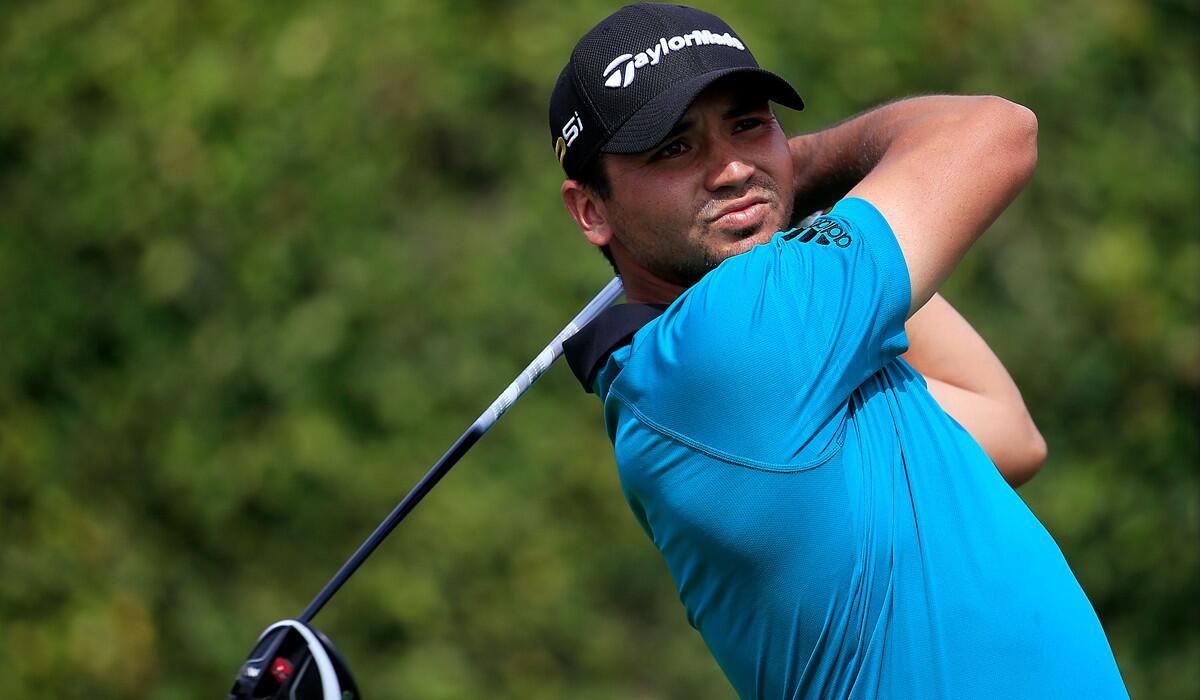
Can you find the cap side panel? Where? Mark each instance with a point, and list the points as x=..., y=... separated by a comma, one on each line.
x=585, y=96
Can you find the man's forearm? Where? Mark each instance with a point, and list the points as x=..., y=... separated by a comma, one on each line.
x=972, y=385
x=829, y=162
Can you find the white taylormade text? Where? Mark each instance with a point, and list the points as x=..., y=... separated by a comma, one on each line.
x=615, y=77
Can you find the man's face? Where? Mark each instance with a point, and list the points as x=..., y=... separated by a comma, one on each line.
x=720, y=183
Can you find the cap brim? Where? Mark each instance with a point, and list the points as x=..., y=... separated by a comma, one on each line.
x=651, y=124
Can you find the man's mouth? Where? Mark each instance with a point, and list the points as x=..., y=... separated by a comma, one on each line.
x=742, y=213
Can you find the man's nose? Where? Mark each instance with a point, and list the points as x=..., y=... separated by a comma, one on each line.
x=726, y=167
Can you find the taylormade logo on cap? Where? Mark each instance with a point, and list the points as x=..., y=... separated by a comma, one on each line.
x=615, y=77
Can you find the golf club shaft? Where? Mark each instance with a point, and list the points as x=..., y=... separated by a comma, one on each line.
x=464, y=443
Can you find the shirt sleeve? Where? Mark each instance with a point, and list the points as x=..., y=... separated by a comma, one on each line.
x=758, y=360
x=851, y=289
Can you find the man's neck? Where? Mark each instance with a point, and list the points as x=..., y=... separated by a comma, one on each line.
x=650, y=290
x=641, y=285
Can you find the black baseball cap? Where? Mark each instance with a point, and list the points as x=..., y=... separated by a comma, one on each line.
x=632, y=77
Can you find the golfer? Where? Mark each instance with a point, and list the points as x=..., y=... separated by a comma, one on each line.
x=821, y=448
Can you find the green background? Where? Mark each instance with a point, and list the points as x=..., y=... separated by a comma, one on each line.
x=261, y=262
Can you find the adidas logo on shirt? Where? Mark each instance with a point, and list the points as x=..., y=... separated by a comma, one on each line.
x=823, y=231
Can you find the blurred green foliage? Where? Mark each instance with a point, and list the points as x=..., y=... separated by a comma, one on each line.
x=260, y=263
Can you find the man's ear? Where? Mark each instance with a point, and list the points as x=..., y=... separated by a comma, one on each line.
x=588, y=211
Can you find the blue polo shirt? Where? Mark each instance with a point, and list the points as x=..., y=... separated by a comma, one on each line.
x=832, y=532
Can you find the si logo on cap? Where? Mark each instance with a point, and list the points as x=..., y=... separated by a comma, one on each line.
x=570, y=132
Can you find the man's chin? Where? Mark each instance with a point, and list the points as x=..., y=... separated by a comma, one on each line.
x=741, y=240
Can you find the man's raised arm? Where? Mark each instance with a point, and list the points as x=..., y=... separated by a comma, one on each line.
x=939, y=169
x=971, y=384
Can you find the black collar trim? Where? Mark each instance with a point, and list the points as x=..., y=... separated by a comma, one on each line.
x=589, y=349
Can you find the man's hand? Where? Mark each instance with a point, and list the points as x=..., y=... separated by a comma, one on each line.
x=940, y=169
x=971, y=384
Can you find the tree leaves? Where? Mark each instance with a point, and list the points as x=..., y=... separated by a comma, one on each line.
x=260, y=264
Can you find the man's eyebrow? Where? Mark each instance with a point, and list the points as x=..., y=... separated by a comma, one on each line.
x=745, y=106
x=740, y=108
x=680, y=127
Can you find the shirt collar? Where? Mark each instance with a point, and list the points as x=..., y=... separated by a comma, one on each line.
x=614, y=328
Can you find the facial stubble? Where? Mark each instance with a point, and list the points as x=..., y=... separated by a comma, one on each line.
x=686, y=265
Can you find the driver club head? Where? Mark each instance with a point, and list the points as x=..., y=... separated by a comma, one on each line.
x=293, y=660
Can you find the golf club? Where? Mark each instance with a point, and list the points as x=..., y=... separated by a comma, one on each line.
x=292, y=659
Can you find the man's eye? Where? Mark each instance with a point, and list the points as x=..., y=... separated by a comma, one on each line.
x=746, y=124
x=671, y=150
